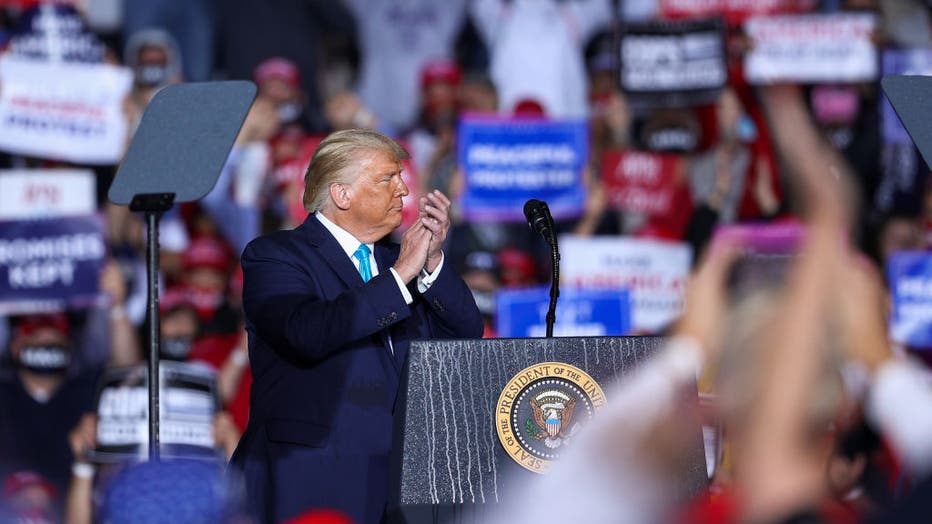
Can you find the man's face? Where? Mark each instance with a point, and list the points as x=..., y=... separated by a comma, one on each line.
x=181, y=322
x=279, y=91
x=376, y=196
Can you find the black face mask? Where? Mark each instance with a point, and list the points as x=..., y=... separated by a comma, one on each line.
x=151, y=75
x=45, y=360
x=176, y=348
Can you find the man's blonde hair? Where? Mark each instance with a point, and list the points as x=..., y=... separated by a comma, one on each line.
x=335, y=161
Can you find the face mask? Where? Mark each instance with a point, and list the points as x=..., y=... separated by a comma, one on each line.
x=672, y=139
x=176, y=348
x=45, y=360
x=289, y=112
x=835, y=106
x=485, y=301
x=205, y=302
x=745, y=130
x=151, y=75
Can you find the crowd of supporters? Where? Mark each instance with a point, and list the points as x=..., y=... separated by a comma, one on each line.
x=412, y=69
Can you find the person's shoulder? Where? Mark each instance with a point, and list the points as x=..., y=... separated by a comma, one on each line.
x=272, y=239
x=275, y=242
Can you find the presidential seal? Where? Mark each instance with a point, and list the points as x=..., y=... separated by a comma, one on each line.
x=541, y=409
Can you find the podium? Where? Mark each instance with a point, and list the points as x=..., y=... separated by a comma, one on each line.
x=478, y=418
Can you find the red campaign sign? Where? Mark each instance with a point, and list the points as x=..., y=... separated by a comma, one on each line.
x=640, y=182
x=289, y=178
x=734, y=11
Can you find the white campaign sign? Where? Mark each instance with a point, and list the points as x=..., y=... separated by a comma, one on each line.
x=811, y=48
x=46, y=193
x=63, y=111
x=655, y=273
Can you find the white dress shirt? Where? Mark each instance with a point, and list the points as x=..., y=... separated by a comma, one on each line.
x=350, y=244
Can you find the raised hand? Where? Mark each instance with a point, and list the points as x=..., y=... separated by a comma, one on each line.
x=414, y=250
x=434, y=213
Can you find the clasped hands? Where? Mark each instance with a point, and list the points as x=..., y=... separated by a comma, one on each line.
x=422, y=243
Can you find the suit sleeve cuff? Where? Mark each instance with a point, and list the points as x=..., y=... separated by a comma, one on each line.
x=401, y=286
x=425, y=279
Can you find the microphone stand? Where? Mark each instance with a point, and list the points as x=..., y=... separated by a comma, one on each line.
x=554, y=283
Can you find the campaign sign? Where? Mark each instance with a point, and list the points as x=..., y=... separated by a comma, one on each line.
x=811, y=48
x=188, y=402
x=917, y=61
x=640, y=181
x=655, y=272
x=521, y=313
x=767, y=254
x=910, y=277
x=50, y=264
x=507, y=162
x=63, y=111
x=55, y=32
x=673, y=63
x=734, y=11
x=46, y=193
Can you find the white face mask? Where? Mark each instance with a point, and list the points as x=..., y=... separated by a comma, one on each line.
x=151, y=75
x=485, y=301
x=176, y=348
x=45, y=360
x=289, y=112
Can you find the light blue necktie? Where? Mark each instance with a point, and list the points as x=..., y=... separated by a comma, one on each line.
x=362, y=255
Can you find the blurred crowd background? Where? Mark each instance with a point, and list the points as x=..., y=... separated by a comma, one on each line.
x=414, y=69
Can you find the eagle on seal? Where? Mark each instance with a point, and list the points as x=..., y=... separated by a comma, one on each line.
x=553, y=419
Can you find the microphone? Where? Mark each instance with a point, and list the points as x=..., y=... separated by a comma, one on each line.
x=539, y=219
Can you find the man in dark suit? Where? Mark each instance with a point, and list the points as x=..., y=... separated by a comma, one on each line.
x=331, y=308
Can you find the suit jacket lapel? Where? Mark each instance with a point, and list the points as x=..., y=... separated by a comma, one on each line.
x=321, y=239
x=330, y=250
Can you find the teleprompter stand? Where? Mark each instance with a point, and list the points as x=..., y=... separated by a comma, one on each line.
x=176, y=155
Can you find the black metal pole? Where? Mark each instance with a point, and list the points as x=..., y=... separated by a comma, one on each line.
x=152, y=267
x=554, y=285
x=617, y=6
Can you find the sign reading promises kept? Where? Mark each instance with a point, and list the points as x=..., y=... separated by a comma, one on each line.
x=50, y=264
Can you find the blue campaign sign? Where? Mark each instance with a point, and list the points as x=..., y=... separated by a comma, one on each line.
x=55, y=32
x=522, y=313
x=910, y=277
x=50, y=264
x=508, y=161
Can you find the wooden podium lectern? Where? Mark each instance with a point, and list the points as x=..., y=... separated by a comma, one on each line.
x=477, y=418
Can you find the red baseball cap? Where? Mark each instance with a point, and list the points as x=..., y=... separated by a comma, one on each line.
x=207, y=251
x=20, y=480
x=174, y=298
x=441, y=71
x=280, y=68
x=29, y=324
x=529, y=107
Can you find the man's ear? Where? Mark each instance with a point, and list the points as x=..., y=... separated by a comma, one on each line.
x=341, y=194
